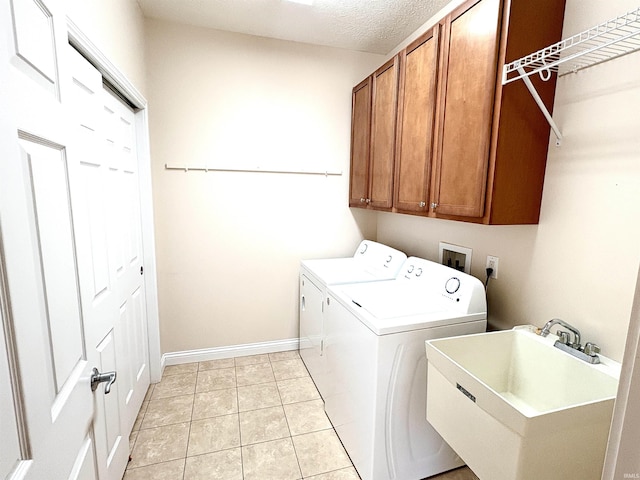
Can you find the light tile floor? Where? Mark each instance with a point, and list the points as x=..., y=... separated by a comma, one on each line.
x=463, y=473
x=257, y=417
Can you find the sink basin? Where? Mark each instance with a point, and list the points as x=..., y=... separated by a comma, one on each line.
x=515, y=407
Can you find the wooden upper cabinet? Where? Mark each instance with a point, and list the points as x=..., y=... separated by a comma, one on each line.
x=416, y=110
x=520, y=135
x=470, y=51
x=383, y=134
x=360, y=144
x=441, y=135
x=492, y=140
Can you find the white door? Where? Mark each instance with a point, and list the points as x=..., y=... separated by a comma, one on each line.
x=42, y=319
x=105, y=194
x=125, y=247
x=96, y=260
x=70, y=242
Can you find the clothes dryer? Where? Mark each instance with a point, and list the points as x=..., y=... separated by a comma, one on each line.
x=376, y=374
x=371, y=262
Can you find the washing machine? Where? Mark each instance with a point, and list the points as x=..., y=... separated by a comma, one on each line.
x=376, y=365
x=371, y=262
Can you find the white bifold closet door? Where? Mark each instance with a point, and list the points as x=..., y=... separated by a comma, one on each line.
x=109, y=255
x=71, y=289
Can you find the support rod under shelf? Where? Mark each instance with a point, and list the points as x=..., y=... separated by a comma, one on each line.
x=543, y=107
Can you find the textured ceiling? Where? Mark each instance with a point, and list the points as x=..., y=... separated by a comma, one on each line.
x=375, y=26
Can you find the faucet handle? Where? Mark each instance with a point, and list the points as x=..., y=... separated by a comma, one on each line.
x=563, y=337
x=591, y=349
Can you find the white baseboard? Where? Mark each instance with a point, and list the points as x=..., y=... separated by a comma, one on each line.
x=216, y=353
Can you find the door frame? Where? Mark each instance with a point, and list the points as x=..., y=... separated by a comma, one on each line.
x=128, y=91
x=625, y=435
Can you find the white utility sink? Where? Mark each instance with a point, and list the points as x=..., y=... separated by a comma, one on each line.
x=514, y=407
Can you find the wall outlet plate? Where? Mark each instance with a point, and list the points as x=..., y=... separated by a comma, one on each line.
x=492, y=262
x=455, y=256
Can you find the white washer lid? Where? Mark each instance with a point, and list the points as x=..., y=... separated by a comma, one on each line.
x=395, y=299
x=385, y=326
x=333, y=271
x=400, y=306
x=392, y=306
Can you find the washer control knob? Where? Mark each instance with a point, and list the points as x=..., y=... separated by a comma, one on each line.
x=410, y=269
x=452, y=285
x=389, y=258
x=364, y=248
x=419, y=272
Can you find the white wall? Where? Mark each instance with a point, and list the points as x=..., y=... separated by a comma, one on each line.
x=225, y=99
x=116, y=27
x=229, y=244
x=580, y=262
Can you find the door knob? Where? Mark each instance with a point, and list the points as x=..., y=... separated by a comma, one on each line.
x=97, y=377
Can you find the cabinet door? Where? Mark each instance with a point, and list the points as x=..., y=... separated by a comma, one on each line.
x=383, y=131
x=360, y=143
x=416, y=109
x=466, y=108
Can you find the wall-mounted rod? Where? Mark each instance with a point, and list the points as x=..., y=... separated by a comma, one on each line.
x=187, y=168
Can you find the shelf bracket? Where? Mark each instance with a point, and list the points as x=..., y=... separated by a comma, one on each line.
x=543, y=107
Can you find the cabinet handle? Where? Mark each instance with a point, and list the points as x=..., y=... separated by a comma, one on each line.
x=421, y=204
x=434, y=205
x=368, y=200
x=362, y=199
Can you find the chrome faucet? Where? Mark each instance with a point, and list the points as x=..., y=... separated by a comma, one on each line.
x=590, y=351
x=556, y=321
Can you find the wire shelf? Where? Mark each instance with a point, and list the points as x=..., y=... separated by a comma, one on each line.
x=601, y=43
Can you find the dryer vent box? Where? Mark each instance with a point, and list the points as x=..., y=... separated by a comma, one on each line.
x=455, y=256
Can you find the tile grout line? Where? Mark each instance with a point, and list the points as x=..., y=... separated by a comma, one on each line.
x=239, y=428
x=288, y=427
x=186, y=452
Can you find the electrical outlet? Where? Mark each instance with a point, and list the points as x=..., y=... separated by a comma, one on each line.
x=492, y=262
